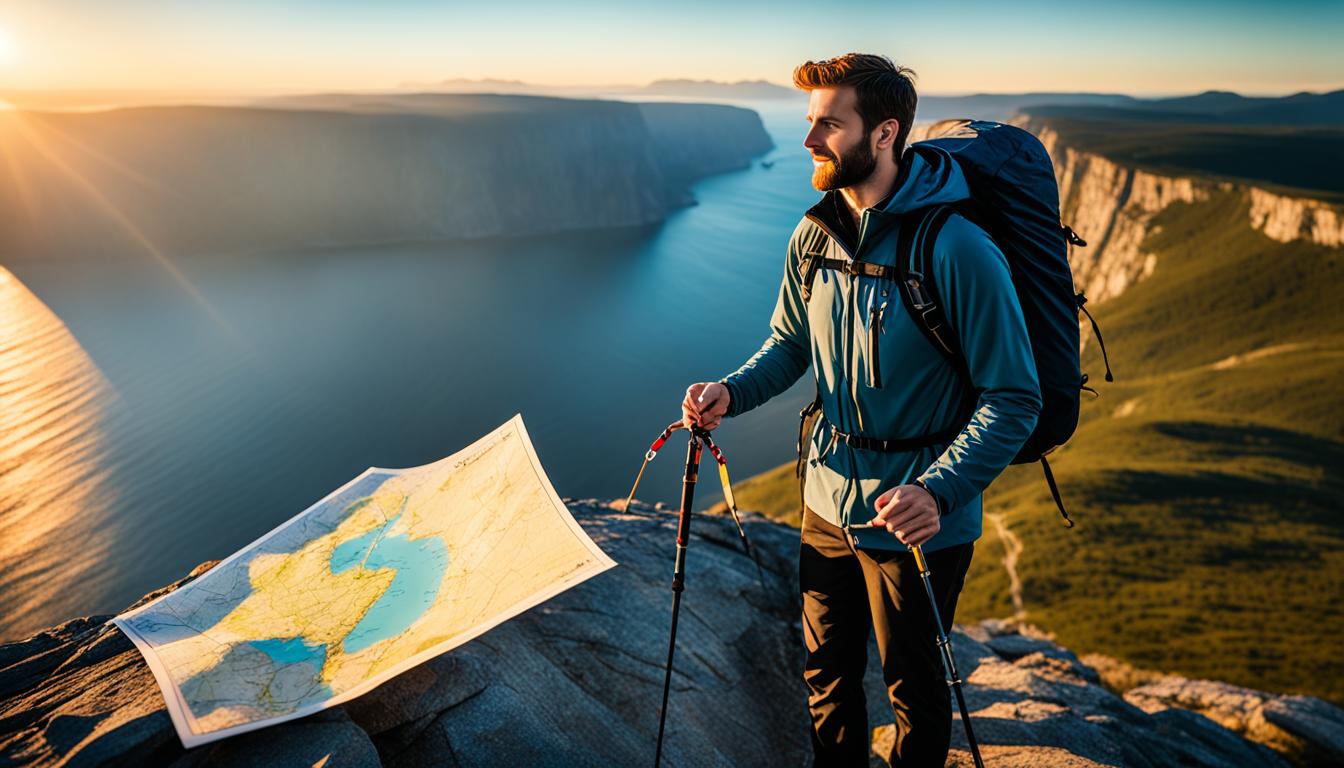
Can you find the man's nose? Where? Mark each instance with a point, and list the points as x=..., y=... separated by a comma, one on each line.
x=810, y=140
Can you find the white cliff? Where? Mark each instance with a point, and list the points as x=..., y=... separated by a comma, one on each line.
x=1112, y=206
x=1294, y=218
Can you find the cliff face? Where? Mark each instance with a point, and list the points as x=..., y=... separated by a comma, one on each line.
x=694, y=140
x=1292, y=218
x=1112, y=207
x=320, y=172
x=577, y=681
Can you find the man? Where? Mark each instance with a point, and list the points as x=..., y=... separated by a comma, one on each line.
x=880, y=378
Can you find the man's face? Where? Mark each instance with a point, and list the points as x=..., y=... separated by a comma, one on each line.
x=842, y=154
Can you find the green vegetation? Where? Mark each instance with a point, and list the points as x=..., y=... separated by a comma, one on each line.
x=1205, y=482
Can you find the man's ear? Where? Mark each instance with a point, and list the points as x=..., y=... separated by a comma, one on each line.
x=887, y=131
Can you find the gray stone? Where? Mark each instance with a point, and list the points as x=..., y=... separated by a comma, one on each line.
x=578, y=681
x=1318, y=723
x=575, y=681
x=1014, y=640
x=1305, y=728
x=1046, y=708
x=325, y=740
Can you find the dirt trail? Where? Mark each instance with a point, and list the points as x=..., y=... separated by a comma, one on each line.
x=1012, y=547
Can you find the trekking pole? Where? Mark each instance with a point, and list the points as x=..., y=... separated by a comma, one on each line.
x=728, y=498
x=679, y=570
x=949, y=663
x=697, y=437
x=732, y=504
x=944, y=645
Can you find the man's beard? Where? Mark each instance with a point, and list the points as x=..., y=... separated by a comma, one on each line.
x=849, y=169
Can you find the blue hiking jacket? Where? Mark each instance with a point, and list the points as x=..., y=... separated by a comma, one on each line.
x=879, y=376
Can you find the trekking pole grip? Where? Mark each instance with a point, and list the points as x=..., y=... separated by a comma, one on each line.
x=688, y=480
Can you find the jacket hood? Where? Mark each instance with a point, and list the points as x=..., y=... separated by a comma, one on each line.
x=929, y=176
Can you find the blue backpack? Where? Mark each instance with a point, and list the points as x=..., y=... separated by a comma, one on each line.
x=1015, y=199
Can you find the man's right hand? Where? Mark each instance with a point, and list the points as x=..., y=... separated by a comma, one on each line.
x=705, y=405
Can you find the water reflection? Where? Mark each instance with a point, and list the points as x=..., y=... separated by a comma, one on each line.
x=54, y=489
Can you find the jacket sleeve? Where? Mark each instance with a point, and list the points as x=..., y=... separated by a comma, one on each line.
x=786, y=353
x=973, y=279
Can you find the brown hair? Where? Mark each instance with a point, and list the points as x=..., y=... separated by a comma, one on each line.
x=885, y=91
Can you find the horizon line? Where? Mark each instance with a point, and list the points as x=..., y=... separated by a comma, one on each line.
x=433, y=86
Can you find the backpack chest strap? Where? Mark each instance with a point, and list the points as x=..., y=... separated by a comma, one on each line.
x=861, y=268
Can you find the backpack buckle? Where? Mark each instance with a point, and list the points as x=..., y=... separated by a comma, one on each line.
x=917, y=295
x=809, y=264
x=1072, y=237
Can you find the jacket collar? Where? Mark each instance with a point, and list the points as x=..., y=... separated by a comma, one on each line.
x=928, y=176
x=832, y=214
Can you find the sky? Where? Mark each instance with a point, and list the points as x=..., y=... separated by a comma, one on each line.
x=1140, y=47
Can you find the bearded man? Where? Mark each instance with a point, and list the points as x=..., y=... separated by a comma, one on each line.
x=905, y=443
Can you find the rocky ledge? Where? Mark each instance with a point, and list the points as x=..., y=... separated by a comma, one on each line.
x=577, y=681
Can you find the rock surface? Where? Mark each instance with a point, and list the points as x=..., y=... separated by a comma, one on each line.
x=1033, y=703
x=1303, y=727
x=577, y=681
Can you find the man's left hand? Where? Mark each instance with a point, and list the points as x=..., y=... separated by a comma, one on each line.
x=909, y=512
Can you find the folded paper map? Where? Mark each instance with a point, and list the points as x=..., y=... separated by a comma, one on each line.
x=390, y=570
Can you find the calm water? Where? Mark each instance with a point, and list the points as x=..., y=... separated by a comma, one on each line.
x=147, y=430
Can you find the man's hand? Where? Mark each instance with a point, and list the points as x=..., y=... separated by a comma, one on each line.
x=909, y=512
x=705, y=405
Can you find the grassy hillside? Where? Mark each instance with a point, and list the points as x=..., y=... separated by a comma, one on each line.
x=1205, y=482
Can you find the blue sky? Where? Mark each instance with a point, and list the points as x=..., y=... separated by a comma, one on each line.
x=1137, y=47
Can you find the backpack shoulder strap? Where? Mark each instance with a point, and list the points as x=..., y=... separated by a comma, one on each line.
x=915, y=244
x=808, y=264
x=811, y=258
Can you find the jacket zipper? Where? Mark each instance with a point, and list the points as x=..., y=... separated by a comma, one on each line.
x=874, y=345
x=851, y=346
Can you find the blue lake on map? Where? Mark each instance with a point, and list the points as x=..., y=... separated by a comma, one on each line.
x=419, y=565
x=293, y=651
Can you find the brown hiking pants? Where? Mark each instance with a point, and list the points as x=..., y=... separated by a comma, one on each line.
x=846, y=591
